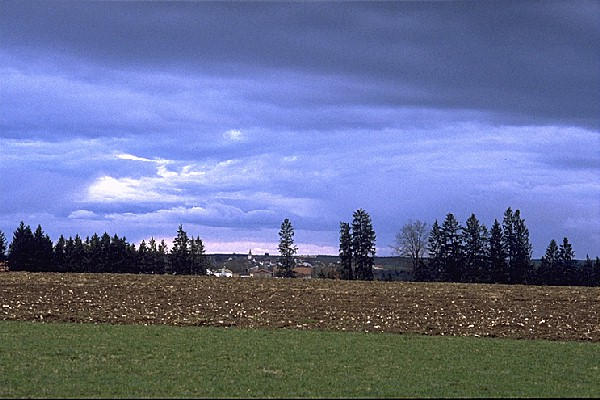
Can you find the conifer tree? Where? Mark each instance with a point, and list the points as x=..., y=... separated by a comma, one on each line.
x=77, y=259
x=144, y=258
x=93, y=254
x=566, y=257
x=345, y=252
x=287, y=250
x=596, y=280
x=475, y=240
x=550, y=272
x=180, y=253
x=20, y=252
x=58, y=255
x=2, y=247
x=42, y=251
x=436, y=257
x=587, y=273
x=162, y=258
x=452, y=251
x=522, y=266
x=199, y=260
x=118, y=254
x=517, y=246
x=363, y=245
x=105, y=254
x=498, y=272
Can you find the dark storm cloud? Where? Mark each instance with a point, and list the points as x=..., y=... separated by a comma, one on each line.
x=526, y=61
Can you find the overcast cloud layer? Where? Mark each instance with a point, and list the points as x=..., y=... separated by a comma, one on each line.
x=135, y=117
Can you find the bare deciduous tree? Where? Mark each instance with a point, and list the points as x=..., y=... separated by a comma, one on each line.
x=412, y=241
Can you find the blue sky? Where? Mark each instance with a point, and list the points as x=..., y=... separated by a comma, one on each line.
x=135, y=117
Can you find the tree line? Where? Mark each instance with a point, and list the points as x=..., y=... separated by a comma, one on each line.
x=455, y=253
x=471, y=253
x=35, y=252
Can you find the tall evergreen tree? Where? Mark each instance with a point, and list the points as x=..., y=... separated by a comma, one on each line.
x=345, y=252
x=20, y=251
x=118, y=255
x=42, y=251
x=596, y=280
x=522, y=266
x=3, y=245
x=566, y=257
x=508, y=237
x=77, y=259
x=93, y=254
x=517, y=246
x=199, y=260
x=475, y=240
x=180, y=253
x=550, y=272
x=162, y=265
x=452, y=251
x=435, y=265
x=105, y=254
x=587, y=272
x=498, y=271
x=144, y=258
x=363, y=245
x=58, y=255
x=287, y=250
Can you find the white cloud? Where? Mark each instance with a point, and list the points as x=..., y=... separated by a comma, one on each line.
x=109, y=189
x=82, y=214
x=125, y=156
x=234, y=135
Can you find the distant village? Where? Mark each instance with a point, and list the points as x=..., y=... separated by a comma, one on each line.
x=307, y=267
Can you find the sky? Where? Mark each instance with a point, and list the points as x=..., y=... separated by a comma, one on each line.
x=227, y=117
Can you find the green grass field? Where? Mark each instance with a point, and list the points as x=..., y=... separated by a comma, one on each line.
x=73, y=360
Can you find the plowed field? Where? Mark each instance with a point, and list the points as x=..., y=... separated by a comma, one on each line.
x=557, y=313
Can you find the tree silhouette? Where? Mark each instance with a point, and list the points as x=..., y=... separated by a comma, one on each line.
x=287, y=250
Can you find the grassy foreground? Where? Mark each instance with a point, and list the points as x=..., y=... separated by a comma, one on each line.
x=84, y=360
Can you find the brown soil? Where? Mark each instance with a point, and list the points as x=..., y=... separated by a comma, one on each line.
x=557, y=313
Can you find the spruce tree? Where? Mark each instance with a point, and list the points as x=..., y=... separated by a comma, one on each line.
x=58, y=255
x=118, y=254
x=522, y=266
x=105, y=254
x=144, y=258
x=20, y=251
x=566, y=257
x=42, y=251
x=498, y=272
x=475, y=240
x=68, y=255
x=587, y=273
x=93, y=254
x=180, y=253
x=452, y=251
x=77, y=256
x=162, y=265
x=198, y=258
x=2, y=247
x=345, y=252
x=508, y=238
x=596, y=280
x=363, y=245
x=435, y=265
x=517, y=246
x=550, y=272
x=287, y=250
